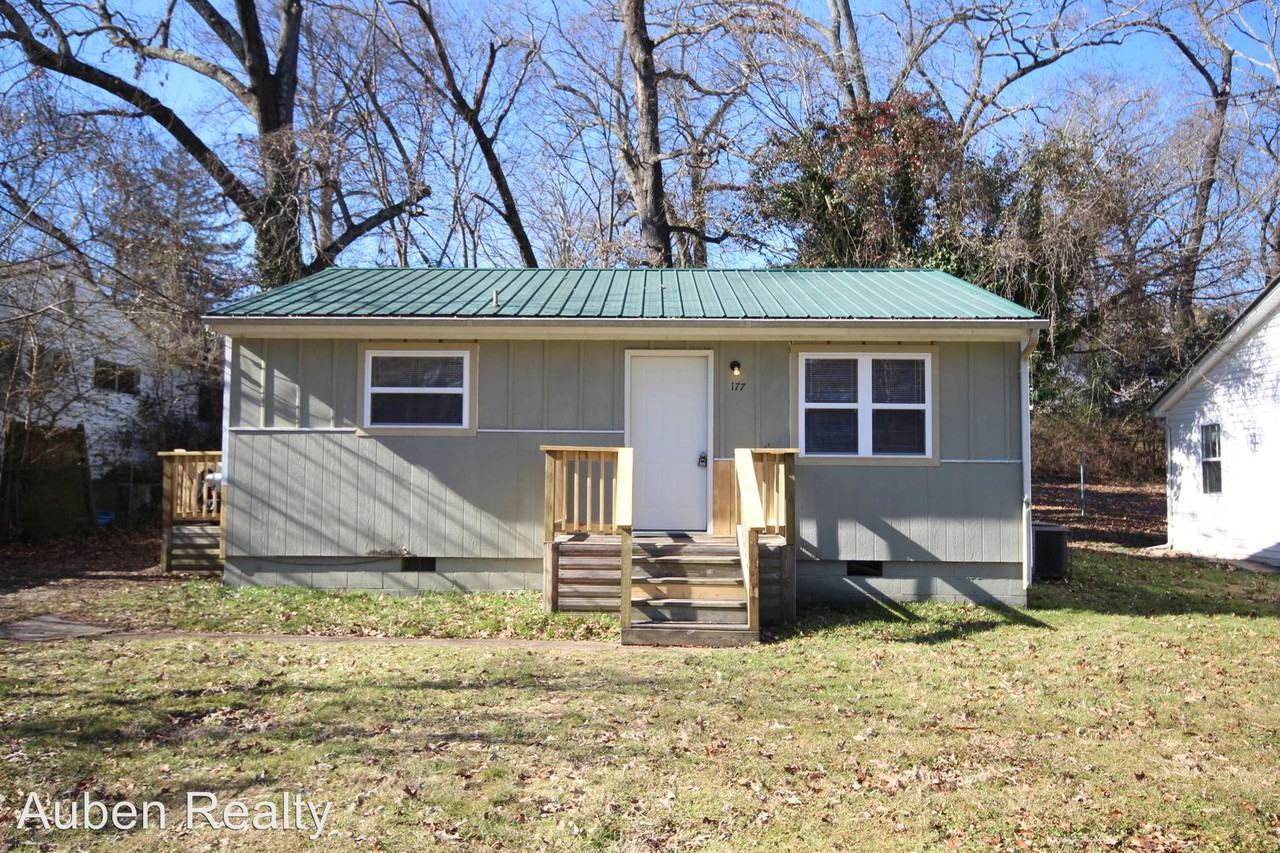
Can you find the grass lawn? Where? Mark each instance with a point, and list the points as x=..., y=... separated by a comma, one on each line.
x=206, y=605
x=1137, y=708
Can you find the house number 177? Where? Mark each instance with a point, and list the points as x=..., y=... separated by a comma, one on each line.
x=737, y=386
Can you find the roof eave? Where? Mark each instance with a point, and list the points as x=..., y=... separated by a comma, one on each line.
x=621, y=328
x=1240, y=328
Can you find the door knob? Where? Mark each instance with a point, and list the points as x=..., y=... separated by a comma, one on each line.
x=702, y=460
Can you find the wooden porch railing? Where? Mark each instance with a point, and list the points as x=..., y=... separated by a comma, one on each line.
x=775, y=469
x=190, y=494
x=193, y=525
x=588, y=490
x=765, y=504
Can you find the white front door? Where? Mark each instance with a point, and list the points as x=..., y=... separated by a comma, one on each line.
x=668, y=427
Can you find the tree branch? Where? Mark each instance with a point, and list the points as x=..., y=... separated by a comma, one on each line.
x=221, y=27
x=63, y=62
x=327, y=254
x=126, y=40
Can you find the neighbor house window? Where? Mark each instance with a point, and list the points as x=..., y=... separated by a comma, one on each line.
x=109, y=376
x=416, y=388
x=1211, y=457
x=865, y=404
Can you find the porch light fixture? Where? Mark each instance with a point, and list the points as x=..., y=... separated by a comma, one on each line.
x=735, y=367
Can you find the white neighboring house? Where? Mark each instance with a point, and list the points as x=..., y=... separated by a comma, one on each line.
x=105, y=369
x=1222, y=422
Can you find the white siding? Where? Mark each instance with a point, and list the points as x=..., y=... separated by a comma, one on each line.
x=115, y=424
x=1242, y=394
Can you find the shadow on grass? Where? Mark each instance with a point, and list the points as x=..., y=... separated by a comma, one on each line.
x=1130, y=585
x=1102, y=582
x=923, y=623
x=344, y=717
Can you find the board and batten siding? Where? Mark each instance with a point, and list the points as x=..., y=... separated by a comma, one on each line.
x=302, y=482
x=1241, y=394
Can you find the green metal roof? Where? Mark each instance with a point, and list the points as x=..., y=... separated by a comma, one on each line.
x=681, y=294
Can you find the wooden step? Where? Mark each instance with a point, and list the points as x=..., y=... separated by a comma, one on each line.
x=699, y=569
x=700, y=611
x=579, y=590
x=681, y=552
x=709, y=603
x=195, y=543
x=577, y=603
x=732, y=580
x=590, y=554
x=704, y=559
x=683, y=539
x=687, y=634
x=606, y=570
x=596, y=562
x=684, y=589
x=196, y=565
x=576, y=575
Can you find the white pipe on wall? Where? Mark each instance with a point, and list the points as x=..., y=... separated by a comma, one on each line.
x=1024, y=383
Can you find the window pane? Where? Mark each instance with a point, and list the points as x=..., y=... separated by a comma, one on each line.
x=1211, y=473
x=110, y=376
x=1210, y=441
x=898, y=380
x=104, y=375
x=129, y=381
x=831, y=431
x=897, y=431
x=417, y=371
x=420, y=409
x=830, y=380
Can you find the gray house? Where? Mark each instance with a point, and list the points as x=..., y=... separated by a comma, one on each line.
x=705, y=445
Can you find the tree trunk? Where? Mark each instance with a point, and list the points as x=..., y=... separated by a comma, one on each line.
x=1192, y=250
x=277, y=237
x=510, y=210
x=855, y=91
x=651, y=200
x=698, y=211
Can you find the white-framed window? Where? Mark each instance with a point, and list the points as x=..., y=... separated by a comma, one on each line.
x=866, y=404
x=1211, y=458
x=417, y=388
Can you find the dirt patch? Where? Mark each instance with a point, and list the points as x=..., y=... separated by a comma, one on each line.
x=68, y=576
x=1131, y=516
x=106, y=556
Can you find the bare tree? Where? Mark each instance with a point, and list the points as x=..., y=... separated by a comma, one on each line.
x=1213, y=61
x=266, y=189
x=642, y=155
x=846, y=50
x=485, y=108
x=369, y=131
x=657, y=86
x=1255, y=31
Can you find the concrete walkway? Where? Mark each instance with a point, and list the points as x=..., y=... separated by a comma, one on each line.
x=1256, y=567
x=42, y=629
x=309, y=639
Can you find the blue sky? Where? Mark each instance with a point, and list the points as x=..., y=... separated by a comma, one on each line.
x=1145, y=58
